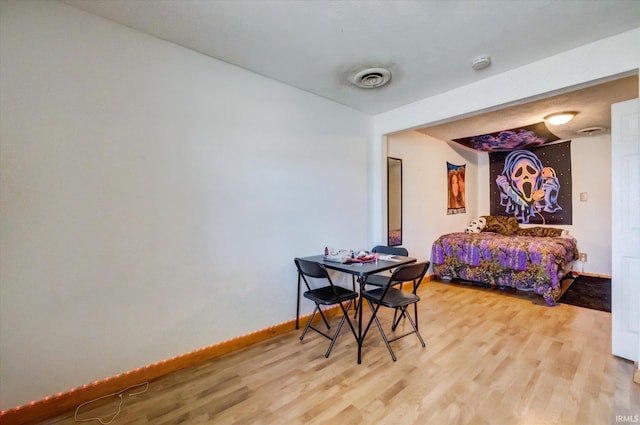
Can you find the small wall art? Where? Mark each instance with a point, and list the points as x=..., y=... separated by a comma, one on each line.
x=455, y=189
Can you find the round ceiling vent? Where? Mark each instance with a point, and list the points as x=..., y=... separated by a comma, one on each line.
x=588, y=131
x=371, y=78
x=481, y=62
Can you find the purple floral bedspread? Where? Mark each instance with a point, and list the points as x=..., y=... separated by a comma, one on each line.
x=522, y=262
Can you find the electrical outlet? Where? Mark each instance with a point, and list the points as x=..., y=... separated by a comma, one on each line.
x=583, y=257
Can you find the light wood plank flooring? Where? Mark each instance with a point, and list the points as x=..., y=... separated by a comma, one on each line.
x=491, y=358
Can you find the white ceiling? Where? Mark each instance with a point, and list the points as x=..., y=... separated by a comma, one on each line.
x=427, y=45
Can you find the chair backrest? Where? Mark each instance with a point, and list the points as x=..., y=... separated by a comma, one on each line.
x=311, y=268
x=391, y=250
x=410, y=272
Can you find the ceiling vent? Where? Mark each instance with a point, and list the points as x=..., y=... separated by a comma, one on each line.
x=481, y=62
x=371, y=78
x=588, y=131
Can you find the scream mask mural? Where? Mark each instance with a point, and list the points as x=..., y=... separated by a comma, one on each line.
x=533, y=185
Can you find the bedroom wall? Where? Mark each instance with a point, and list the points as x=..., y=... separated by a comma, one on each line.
x=424, y=188
x=425, y=193
x=152, y=199
x=591, y=164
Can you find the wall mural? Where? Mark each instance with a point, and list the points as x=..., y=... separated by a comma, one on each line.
x=455, y=189
x=518, y=138
x=533, y=185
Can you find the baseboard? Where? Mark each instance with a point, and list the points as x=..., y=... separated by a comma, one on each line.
x=64, y=402
x=603, y=276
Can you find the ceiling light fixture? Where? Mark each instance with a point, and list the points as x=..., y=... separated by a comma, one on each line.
x=371, y=78
x=560, y=118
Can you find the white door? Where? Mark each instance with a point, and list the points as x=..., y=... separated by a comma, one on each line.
x=625, y=244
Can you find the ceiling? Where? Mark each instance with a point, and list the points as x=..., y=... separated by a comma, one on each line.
x=428, y=46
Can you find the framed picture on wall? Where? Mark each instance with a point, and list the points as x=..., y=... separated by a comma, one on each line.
x=455, y=189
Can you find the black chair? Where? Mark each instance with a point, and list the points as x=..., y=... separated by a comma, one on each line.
x=381, y=279
x=377, y=279
x=391, y=250
x=325, y=295
x=390, y=297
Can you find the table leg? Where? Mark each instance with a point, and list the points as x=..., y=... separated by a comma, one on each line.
x=361, y=282
x=298, y=304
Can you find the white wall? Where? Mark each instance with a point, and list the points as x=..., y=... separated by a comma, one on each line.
x=152, y=199
x=591, y=165
x=425, y=194
x=424, y=188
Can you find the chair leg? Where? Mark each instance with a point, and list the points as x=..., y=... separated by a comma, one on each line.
x=384, y=336
x=396, y=319
x=323, y=318
x=415, y=327
x=355, y=309
x=396, y=322
x=345, y=316
x=308, y=325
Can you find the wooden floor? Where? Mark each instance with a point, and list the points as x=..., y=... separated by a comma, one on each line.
x=491, y=358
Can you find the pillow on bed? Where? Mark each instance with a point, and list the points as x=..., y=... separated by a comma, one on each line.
x=505, y=225
x=476, y=225
x=540, y=231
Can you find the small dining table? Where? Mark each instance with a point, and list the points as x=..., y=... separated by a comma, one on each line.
x=361, y=271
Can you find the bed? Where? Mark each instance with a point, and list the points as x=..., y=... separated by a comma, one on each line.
x=534, y=259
